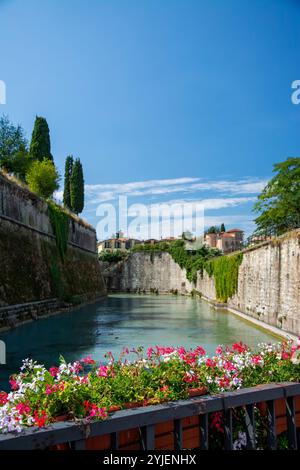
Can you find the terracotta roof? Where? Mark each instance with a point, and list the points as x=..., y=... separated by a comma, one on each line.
x=234, y=230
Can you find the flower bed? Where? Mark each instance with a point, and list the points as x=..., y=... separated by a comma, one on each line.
x=84, y=389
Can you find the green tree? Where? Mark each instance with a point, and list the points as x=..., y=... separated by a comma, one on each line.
x=40, y=146
x=222, y=229
x=67, y=183
x=21, y=162
x=43, y=178
x=213, y=229
x=77, y=187
x=279, y=202
x=12, y=140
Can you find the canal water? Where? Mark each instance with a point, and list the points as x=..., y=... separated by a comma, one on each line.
x=126, y=320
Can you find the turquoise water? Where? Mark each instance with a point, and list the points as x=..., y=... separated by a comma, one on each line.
x=126, y=320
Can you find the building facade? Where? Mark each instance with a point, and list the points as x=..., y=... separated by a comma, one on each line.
x=227, y=242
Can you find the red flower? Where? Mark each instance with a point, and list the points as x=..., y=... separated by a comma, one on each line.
x=239, y=347
x=3, y=398
x=210, y=363
x=40, y=419
x=285, y=355
x=217, y=422
x=87, y=405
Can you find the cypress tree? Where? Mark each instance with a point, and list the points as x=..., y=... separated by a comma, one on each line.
x=40, y=146
x=67, y=183
x=223, y=228
x=77, y=187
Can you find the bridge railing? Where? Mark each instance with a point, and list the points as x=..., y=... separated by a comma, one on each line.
x=145, y=419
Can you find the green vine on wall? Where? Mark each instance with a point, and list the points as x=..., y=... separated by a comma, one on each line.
x=60, y=224
x=225, y=270
x=191, y=262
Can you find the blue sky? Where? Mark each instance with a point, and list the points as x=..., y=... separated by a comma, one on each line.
x=163, y=100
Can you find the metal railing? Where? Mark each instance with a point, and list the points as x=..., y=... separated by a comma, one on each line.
x=146, y=418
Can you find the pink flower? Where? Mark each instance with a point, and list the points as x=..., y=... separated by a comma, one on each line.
x=229, y=366
x=87, y=360
x=219, y=350
x=200, y=350
x=48, y=389
x=150, y=352
x=181, y=350
x=285, y=355
x=102, y=371
x=13, y=384
x=54, y=371
x=257, y=359
x=95, y=411
x=23, y=408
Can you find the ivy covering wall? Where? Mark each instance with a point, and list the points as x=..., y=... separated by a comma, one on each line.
x=225, y=270
x=191, y=262
x=60, y=224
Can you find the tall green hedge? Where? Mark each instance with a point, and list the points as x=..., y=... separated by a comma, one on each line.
x=225, y=270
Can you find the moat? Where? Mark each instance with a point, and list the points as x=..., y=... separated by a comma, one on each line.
x=126, y=320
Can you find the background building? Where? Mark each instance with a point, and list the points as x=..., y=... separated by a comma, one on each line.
x=231, y=240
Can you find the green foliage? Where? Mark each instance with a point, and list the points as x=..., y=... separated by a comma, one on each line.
x=213, y=229
x=67, y=182
x=279, y=202
x=222, y=229
x=113, y=256
x=60, y=224
x=40, y=146
x=20, y=163
x=77, y=187
x=225, y=270
x=43, y=178
x=192, y=262
x=12, y=140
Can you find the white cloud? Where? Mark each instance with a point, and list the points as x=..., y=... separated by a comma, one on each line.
x=98, y=193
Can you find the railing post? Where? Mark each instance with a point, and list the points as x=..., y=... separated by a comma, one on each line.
x=78, y=445
x=228, y=428
x=177, y=434
x=148, y=437
x=203, y=431
x=250, y=427
x=114, y=440
x=291, y=423
x=271, y=417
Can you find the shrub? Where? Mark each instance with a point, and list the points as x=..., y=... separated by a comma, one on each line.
x=113, y=256
x=43, y=178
